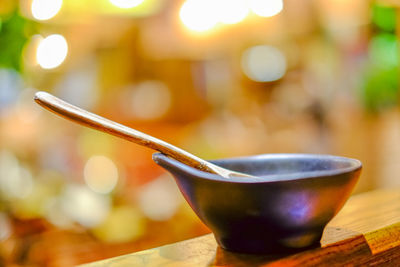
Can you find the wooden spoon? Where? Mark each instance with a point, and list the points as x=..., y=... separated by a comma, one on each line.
x=94, y=121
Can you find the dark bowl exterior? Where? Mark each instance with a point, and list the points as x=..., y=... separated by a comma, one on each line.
x=264, y=216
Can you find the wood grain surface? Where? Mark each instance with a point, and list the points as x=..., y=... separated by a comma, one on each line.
x=366, y=232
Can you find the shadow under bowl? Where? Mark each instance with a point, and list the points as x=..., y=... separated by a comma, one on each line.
x=285, y=207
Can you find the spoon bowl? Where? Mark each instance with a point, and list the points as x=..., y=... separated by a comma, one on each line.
x=285, y=206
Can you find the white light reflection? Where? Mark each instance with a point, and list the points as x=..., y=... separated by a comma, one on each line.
x=159, y=199
x=52, y=51
x=85, y=206
x=45, y=9
x=266, y=8
x=23, y=185
x=100, y=174
x=199, y=15
x=126, y=3
x=263, y=63
x=232, y=11
x=15, y=180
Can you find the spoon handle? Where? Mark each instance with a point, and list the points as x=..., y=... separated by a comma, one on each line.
x=97, y=122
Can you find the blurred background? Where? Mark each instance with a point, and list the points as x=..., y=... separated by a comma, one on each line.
x=217, y=78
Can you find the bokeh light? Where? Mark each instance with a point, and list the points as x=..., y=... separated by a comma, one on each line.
x=52, y=51
x=159, y=199
x=263, y=63
x=126, y=3
x=199, y=15
x=55, y=214
x=123, y=224
x=85, y=206
x=15, y=180
x=150, y=100
x=100, y=174
x=22, y=184
x=45, y=9
x=232, y=11
x=266, y=8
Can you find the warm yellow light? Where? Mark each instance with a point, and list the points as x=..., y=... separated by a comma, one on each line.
x=126, y=3
x=266, y=8
x=232, y=11
x=123, y=224
x=100, y=174
x=52, y=51
x=199, y=15
x=45, y=9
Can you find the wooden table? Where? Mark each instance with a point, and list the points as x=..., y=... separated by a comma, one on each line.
x=366, y=232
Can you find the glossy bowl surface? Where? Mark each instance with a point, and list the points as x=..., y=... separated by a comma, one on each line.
x=285, y=207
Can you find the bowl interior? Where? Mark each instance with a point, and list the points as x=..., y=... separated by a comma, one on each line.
x=290, y=166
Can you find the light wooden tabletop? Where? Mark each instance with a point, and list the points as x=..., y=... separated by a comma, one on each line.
x=365, y=232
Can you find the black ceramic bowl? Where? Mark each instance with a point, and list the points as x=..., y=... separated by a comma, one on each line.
x=287, y=207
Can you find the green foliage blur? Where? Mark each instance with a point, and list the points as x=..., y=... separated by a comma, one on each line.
x=14, y=33
x=384, y=18
x=382, y=77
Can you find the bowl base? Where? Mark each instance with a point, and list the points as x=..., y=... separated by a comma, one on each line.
x=267, y=246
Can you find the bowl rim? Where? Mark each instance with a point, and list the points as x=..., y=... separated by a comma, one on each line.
x=355, y=165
